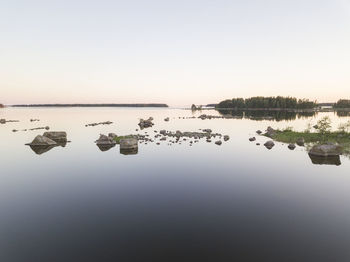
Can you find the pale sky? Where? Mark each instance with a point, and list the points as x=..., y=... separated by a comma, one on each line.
x=175, y=52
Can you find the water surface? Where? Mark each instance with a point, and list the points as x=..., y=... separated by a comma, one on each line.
x=171, y=203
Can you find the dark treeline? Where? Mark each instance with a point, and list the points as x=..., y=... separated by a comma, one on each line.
x=342, y=103
x=92, y=105
x=267, y=102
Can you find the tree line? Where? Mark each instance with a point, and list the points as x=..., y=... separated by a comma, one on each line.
x=267, y=102
x=342, y=103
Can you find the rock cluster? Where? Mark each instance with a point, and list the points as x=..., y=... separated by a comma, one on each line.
x=146, y=123
x=270, y=132
x=50, y=139
x=101, y=123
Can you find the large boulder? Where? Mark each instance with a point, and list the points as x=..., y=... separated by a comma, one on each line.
x=42, y=141
x=326, y=150
x=58, y=137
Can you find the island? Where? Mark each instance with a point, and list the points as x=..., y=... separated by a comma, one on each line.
x=267, y=103
x=92, y=105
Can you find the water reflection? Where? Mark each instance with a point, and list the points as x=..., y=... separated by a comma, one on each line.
x=104, y=148
x=260, y=115
x=133, y=151
x=41, y=149
x=318, y=160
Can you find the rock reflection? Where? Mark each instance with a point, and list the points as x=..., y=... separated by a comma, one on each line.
x=133, y=151
x=41, y=149
x=331, y=160
x=105, y=148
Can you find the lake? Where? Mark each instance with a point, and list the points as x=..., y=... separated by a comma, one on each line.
x=172, y=203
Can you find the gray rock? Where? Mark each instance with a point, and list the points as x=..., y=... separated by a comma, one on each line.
x=270, y=132
x=112, y=135
x=58, y=137
x=105, y=140
x=226, y=138
x=291, y=146
x=259, y=132
x=42, y=141
x=2, y=121
x=146, y=123
x=252, y=139
x=218, y=143
x=166, y=119
x=269, y=144
x=326, y=150
x=300, y=141
x=128, y=143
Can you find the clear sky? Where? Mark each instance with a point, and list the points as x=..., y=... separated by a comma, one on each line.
x=177, y=52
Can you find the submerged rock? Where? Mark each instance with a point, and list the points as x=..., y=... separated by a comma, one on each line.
x=326, y=150
x=269, y=144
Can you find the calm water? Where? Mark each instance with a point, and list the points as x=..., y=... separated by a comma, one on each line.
x=169, y=203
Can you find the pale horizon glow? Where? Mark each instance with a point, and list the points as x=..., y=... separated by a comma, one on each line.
x=173, y=52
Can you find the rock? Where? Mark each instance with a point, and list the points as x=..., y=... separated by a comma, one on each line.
x=42, y=141
x=252, y=139
x=291, y=146
x=326, y=150
x=259, y=132
x=270, y=132
x=128, y=143
x=226, y=138
x=41, y=149
x=47, y=127
x=218, y=143
x=101, y=123
x=209, y=140
x=300, y=141
x=58, y=137
x=258, y=144
x=105, y=141
x=207, y=130
x=162, y=132
x=146, y=123
x=269, y=144
x=14, y=130
x=163, y=139
x=166, y=119
x=112, y=135
x=2, y=121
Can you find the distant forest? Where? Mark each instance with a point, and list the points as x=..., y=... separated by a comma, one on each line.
x=92, y=105
x=260, y=102
x=342, y=103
